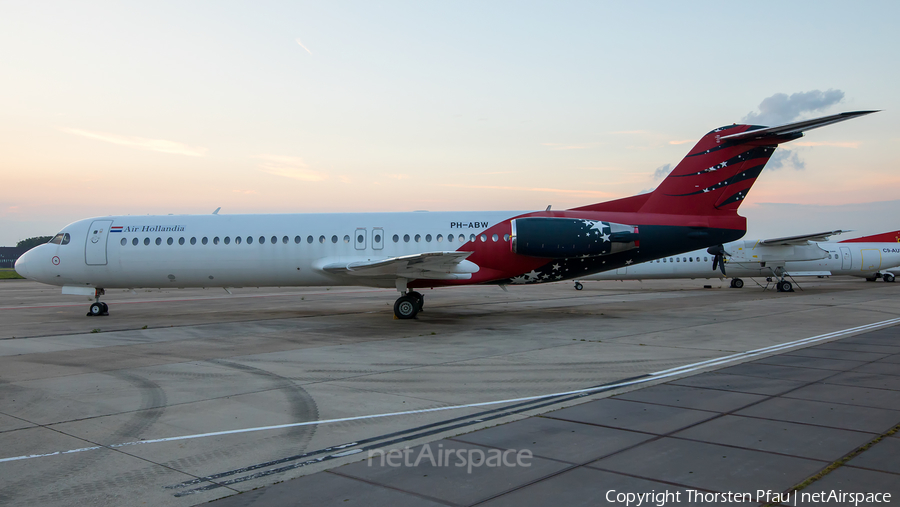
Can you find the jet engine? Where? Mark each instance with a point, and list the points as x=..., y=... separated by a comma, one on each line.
x=557, y=237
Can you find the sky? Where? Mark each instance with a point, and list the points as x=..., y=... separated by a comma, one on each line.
x=111, y=108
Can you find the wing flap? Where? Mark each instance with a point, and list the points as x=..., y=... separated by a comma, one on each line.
x=428, y=265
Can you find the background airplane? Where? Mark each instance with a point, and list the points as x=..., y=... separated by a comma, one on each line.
x=694, y=207
x=868, y=257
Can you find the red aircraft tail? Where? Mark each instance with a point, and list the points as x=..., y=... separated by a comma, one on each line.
x=717, y=173
x=885, y=237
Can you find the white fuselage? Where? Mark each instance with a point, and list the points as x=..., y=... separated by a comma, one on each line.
x=750, y=259
x=244, y=250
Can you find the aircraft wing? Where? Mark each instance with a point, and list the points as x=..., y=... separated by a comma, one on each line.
x=428, y=265
x=801, y=240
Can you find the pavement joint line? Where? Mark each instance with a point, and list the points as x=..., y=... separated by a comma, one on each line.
x=653, y=376
x=376, y=442
x=671, y=434
x=387, y=486
x=841, y=462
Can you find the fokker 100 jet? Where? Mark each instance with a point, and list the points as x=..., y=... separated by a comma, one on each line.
x=869, y=257
x=694, y=207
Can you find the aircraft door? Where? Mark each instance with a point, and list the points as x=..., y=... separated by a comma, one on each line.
x=95, y=246
x=846, y=261
x=871, y=259
x=377, y=238
x=359, y=238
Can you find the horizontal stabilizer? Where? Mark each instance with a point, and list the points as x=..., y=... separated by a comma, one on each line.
x=793, y=128
x=801, y=240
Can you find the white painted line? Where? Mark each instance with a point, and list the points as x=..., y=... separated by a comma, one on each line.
x=652, y=377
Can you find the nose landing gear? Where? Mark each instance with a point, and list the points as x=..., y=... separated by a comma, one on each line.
x=98, y=308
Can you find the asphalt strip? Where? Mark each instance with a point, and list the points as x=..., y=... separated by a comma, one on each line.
x=681, y=370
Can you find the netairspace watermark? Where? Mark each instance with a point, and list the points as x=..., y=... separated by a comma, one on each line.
x=694, y=497
x=468, y=458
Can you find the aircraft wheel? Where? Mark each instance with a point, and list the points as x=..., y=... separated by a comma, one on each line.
x=871, y=279
x=888, y=277
x=96, y=310
x=406, y=307
x=419, y=298
x=578, y=286
x=737, y=283
x=105, y=308
x=784, y=286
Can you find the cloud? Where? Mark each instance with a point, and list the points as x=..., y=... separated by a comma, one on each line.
x=160, y=145
x=302, y=46
x=782, y=108
x=289, y=167
x=662, y=171
x=784, y=156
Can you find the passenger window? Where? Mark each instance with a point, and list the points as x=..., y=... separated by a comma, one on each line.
x=134, y=241
x=249, y=240
x=170, y=241
x=406, y=238
x=146, y=241
x=418, y=237
x=204, y=240
x=321, y=239
x=193, y=241
x=495, y=237
x=483, y=238
x=309, y=239
x=377, y=238
x=284, y=240
x=462, y=238
x=664, y=260
x=506, y=237
x=227, y=240
x=274, y=239
x=346, y=238
x=262, y=240
x=439, y=238
x=237, y=240
x=450, y=237
x=472, y=238
x=180, y=241
x=297, y=240
x=216, y=240
x=158, y=241
x=123, y=242
x=677, y=259
x=360, y=238
x=396, y=238
x=428, y=238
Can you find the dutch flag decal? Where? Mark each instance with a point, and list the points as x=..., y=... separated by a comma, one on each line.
x=115, y=228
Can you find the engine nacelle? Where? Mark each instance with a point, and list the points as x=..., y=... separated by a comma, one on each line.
x=557, y=238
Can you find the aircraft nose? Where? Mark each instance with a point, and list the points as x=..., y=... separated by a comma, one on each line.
x=22, y=264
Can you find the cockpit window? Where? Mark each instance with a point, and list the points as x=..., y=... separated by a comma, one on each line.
x=60, y=239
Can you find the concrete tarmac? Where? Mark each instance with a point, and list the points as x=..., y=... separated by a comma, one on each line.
x=193, y=381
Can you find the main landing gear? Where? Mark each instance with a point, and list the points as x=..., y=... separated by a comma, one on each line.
x=888, y=277
x=737, y=283
x=409, y=305
x=98, y=308
x=784, y=286
x=578, y=286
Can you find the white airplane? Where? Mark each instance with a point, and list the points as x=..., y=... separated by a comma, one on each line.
x=694, y=207
x=810, y=255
